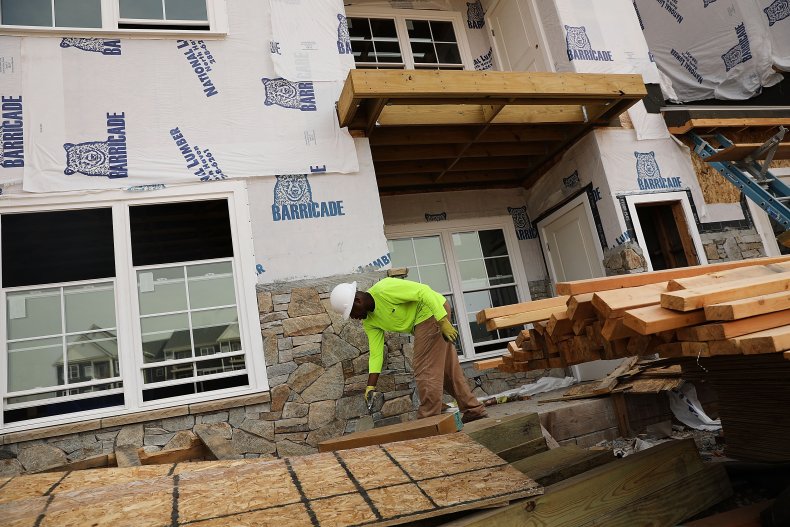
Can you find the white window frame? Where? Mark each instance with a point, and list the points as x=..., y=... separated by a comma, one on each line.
x=216, y=10
x=444, y=230
x=665, y=197
x=400, y=16
x=126, y=302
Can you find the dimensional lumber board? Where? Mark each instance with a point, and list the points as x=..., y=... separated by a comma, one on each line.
x=721, y=277
x=581, y=307
x=614, y=303
x=691, y=299
x=615, y=329
x=740, y=151
x=609, y=495
x=593, y=285
x=524, y=450
x=560, y=463
x=519, y=319
x=748, y=307
x=683, y=349
x=768, y=341
x=426, y=427
x=559, y=324
x=507, y=432
x=746, y=516
x=734, y=328
x=381, y=485
x=512, y=309
x=654, y=319
x=488, y=363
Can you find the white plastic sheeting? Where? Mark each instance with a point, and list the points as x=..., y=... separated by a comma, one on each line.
x=102, y=113
x=776, y=15
x=310, y=40
x=713, y=48
x=688, y=410
x=601, y=36
x=12, y=152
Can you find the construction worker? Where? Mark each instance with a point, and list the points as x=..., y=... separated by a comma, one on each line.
x=404, y=306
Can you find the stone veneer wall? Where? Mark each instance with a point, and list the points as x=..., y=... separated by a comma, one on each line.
x=732, y=244
x=624, y=259
x=317, y=371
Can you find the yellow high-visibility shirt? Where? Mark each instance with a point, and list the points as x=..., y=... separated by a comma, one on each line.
x=400, y=305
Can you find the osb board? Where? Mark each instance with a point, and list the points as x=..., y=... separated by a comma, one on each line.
x=382, y=485
x=715, y=188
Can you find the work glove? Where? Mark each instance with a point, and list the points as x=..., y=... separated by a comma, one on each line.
x=369, y=394
x=448, y=331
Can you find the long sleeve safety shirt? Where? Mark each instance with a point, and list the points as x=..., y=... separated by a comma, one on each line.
x=400, y=305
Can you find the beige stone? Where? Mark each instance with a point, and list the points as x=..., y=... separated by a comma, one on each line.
x=305, y=301
x=52, y=431
x=181, y=439
x=280, y=395
x=231, y=402
x=304, y=376
x=265, y=303
x=307, y=325
x=398, y=406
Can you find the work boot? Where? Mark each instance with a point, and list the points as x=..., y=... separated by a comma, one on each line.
x=468, y=417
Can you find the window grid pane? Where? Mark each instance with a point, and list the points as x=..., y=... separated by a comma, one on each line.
x=26, y=12
x=78, y=13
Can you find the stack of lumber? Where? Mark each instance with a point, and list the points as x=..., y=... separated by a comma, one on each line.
x=660, y=486
x=753, y=398
x=391, y=484
x=722, y=309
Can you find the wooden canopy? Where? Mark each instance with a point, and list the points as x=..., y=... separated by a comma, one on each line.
x=454, y=130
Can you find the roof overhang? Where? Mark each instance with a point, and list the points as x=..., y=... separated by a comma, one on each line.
x=457, y=130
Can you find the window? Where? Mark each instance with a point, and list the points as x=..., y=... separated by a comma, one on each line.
x=94, y=323
x=114, y=15
x=407, y=40
x=473, y=269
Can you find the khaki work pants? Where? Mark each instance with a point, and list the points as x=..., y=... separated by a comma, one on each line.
x=436, y=369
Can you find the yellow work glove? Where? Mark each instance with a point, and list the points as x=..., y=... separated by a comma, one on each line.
x=448, y=331
x=368, y=396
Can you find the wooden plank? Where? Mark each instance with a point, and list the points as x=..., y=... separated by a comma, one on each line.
x=519, y=319
x=691, y=299
x=427, y=427
x=683, y=349
x=126, y=456
x=748, y=307
x=396, y=483
x=610, y=381
x=555, y=465
x=746, y=516
x=729, y=123
x=614, y=487
x=655, y=319
x=550, y=441
x=522, y=336
x=740, y=151
x=525, y=449
x=559, y=324
x=593, y=285
x=99, y=461
x=720, y=277
x=504, y=433
x=614, y=303
x=735, y=328
x=195, y=450
x=615, y=329
x=769, y=341
x=487, y=364
x=513, y=309
x=581, y=307
x=220, y=447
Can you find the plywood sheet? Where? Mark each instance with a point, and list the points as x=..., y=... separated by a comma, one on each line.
x=391, y=484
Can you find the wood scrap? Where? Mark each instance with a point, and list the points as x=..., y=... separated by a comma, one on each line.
x=419, y=428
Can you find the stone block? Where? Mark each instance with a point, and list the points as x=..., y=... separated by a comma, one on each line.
x=217, y=417
x=270, y=352
x=265, y=304
x=290, y=449
x=397, y=406
x=306, y=325
x=298, y=437
x=307, y=339
x=280, y=394
x=176, y=424
x=355, y=335
x=181, y=439
x=321, y=414
x=40, y=457
x=281, y=369
x=284, y=344
x=337, y=321
x=10, y=468
x=246, y=443
x=263, y=429
x=287, y=426
x=305, y=375
x=305, y=301
x=328, y=386
x=305, y=350
x=157, y=439
x=223, y=430
x=281, y=307
x=71, y=443
x=282, y=298
x=334, y=349
x=293, y=409
x=333, y=429
x=236, y=416
x=275, y=316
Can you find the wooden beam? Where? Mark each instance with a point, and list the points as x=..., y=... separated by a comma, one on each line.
x=771, y=340
x=593, y=285
x=559, y=324
x=728, y=275
x=519, y=319
x=735, y=328
x=580, y=307
x=691, y=299
x=478, y=177
x=502, y=434
x=614, y=329
x=452, y=151
x=729, y=123
x=738, y=152
x=430, y=135
x=561, y=463
x=513, y=309
x=654, y=319
x=748, y=307
x=463, y=165
x=487, y=364
x=427, y=427
x=614, y=303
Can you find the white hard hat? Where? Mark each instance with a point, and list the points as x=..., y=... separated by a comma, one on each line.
x=342, y=298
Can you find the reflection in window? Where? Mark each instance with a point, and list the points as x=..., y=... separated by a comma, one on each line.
x=188, y=316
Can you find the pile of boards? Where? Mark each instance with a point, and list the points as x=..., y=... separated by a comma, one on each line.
x=733, y=308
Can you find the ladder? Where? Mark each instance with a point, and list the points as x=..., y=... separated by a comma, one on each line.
x=743, y=169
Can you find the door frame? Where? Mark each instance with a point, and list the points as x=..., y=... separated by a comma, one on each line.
x=581, y=199
x=548, y=63
x=682, y=197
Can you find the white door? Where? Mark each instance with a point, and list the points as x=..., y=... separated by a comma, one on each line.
x=518, y=45
x=571, y=247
